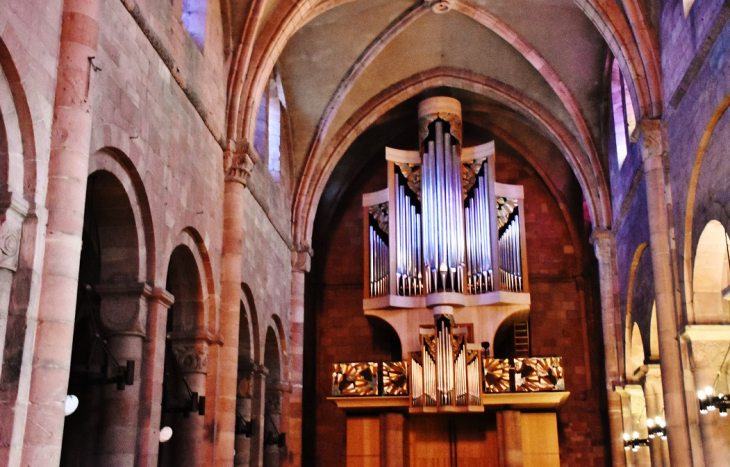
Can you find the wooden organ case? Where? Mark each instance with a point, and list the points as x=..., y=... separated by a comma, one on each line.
x=445, y=266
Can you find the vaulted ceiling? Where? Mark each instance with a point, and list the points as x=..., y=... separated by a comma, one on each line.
x=533, y=72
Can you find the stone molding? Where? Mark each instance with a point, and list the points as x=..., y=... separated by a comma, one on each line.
x=12, y=215
x=239, y=159
x=301, y=258
x=653, y=141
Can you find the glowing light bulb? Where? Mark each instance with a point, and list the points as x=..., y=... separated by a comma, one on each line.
x=165, y=434
x=626, y=437
x=701, y=394
x=708, y=391
x=70, y=405
x=636, y=435
x=649, y=422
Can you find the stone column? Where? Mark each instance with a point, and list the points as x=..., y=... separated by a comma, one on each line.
x=67, y=173
x=637, y=412
x=509, y=434
x=301, y=264
x=258, y=406
x=655, y=407
x=709, y=345
x=243, y=408
x=191, y=354
x=12, y=215
x=653, y=151
x=151, y=377
x=272, y=424
x=124, y=321
x=238, y=162
x=605, y=248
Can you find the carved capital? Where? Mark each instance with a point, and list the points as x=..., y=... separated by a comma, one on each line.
x=245, y=386
x=603, y=243
x=653, y=138
x=238, y=161
x=124, y=308
x=273, y=402
x=301, y=258
x=192, y=357
x=708, y=354
x=12, y=215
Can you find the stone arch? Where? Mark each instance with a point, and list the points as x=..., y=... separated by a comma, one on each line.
x=632, y=333
x=248, y=342
x=116, y=163
x=186, y=358
x=191, y=238
x=273, y=361
x=111, y=316
x=18, y=172
x=318, y=170
x=710, y=276
x=689, y=238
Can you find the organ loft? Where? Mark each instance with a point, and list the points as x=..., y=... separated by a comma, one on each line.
x=445, y=268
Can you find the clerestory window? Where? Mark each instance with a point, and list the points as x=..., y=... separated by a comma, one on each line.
x=624, y=118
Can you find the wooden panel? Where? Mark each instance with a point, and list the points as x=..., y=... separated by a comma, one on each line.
x=473, y=440
x=363, y=441
x=540, y=440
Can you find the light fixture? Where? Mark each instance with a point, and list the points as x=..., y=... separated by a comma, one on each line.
x=165, y=434
x=243, y=426
x=70, y=405
x=656, y=428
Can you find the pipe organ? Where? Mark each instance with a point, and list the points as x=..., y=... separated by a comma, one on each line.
x=444, y=243
x=443, y=225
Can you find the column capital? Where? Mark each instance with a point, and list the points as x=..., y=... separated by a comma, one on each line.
x=301, y=258
x=124, y=307
x=191, y=354
x=239, y=158
x=12, y=214
x=653, y=139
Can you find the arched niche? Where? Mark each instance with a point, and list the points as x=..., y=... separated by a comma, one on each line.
x=710, y=276
x=186, y=363
x=248, y=343
x=653, y=336
x=110, y=319
x=272, y=439
x=634, y=350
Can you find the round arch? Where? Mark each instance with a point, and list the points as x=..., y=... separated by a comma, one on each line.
x=115, y=162
x=317, y=171
x=710, y=276
x=689, y=239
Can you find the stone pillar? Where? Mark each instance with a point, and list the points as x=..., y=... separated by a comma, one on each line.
x=709, y=345
x=12, y=215
x=605, y=248
x=243, y=409
x=272, y=424
x=509, y=435
x=258, y=413
x=151, y=377
x=301, y=264
x=67, y=173
x=653, y=150
x=637, y=412
x=238, y=162
x=655, y=408
x=191, y=354
x=124, y=321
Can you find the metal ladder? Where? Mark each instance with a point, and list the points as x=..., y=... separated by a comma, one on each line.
x=522, y=339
